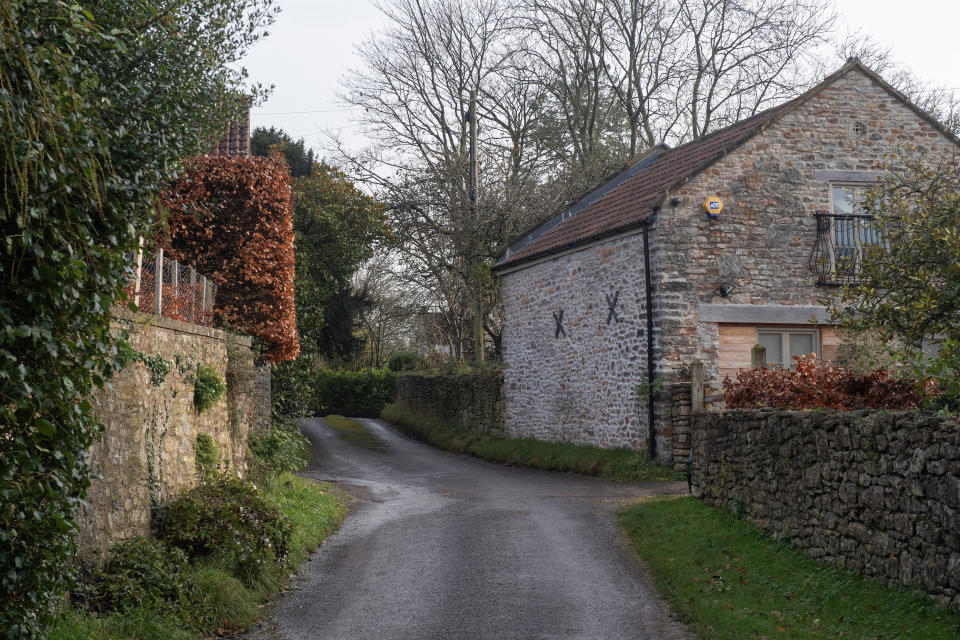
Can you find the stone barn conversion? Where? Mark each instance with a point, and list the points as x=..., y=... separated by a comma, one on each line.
x=697, y=252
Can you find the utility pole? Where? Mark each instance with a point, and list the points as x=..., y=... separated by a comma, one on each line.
x=474, y=262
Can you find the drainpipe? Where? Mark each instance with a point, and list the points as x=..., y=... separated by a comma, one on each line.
x=651, y=418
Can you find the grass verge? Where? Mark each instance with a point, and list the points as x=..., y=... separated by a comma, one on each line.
x=224, y=603
x=730, y=580
x=621, y=465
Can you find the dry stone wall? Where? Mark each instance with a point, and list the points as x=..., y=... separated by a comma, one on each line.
x=146, y=454
x=878, y=492
x=469, y=401
x=579, y=384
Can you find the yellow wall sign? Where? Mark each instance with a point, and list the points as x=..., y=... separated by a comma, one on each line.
x=713, y=207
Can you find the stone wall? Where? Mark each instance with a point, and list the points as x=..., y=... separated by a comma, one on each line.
x=146, y=454
x=470, y=401
x=580, y=386
x=761, y=243
x=878, y=492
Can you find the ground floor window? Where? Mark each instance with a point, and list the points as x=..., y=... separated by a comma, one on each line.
x=782, y=346
x=736, y=341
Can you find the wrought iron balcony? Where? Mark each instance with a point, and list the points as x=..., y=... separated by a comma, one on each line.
x=837, y=255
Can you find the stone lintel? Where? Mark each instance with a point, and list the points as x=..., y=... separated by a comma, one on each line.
x=835, y=175
x=764, y=314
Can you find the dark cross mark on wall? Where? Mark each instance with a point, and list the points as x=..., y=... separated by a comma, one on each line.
x=559, y=320
x=612, y=307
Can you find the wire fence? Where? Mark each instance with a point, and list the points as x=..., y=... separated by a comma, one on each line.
x=164, y=287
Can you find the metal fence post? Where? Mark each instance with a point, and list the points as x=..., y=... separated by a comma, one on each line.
x=158, y=283
x=193, y=294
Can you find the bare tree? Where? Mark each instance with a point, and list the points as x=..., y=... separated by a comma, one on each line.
x=940, y=102
x=747, y=55
x=414, y=90
x=568, y=90
x=645, y=68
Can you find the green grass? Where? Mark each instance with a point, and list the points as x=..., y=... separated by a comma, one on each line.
x=142, y=625
x=355, y=433
x=621, y=465
x=315, y=510
x=730, y=580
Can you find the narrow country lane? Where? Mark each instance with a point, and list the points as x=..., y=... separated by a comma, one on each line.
x=444, y=546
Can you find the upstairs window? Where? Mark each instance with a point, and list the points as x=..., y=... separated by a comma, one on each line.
x=843, y=235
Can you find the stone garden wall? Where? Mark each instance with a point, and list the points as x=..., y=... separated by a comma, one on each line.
x=470, y=401
x=146, y=454
x=878, y=492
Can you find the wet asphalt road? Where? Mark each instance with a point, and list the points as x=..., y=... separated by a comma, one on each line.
x=441, y=546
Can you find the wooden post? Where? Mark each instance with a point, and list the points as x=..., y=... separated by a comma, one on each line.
x=758, y=357
x=696, y=385
x=158, y=283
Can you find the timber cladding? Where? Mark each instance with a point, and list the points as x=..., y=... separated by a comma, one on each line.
x=878, y=492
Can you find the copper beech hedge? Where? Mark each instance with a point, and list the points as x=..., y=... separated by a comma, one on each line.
x=813, y=383
x=231, y=217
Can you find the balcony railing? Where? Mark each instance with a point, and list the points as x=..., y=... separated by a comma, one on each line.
x=164, y=287
x=837, y=256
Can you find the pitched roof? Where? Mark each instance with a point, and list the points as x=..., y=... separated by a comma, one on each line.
x=627, y=205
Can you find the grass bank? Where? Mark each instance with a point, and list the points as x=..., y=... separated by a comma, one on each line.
x=224, y=604
x=621, y=465
x=730, y=580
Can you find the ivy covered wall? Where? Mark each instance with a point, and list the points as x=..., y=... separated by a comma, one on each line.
x=152, y=421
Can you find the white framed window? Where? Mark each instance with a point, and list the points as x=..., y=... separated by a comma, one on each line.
x=783, y=344
x=852, y=230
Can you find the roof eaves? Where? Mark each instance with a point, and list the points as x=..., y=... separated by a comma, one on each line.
x=639, y=159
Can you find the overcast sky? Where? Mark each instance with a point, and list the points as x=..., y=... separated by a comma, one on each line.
x=312, y=45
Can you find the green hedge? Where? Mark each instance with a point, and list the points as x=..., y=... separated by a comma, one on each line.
x=353, y=393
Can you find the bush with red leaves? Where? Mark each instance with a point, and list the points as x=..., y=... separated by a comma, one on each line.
x=814, y=384
x=231, y=218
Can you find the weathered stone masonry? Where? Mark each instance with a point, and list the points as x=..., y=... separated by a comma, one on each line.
x=582, y=386
x=146, y=454
x=878, y=492
x=771, y=186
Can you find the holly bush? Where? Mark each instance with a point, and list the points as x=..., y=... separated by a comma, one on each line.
x=230, y=520
x=99, y=102
x=140, y=573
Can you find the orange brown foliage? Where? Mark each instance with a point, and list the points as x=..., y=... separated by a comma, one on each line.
x=815, y=384
x=231, y=218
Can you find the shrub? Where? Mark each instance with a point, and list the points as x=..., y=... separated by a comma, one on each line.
x=354, y=393
x=230, y=520
x=139, y=574
x=126, y=354
x=814, y=384
x=404, y=361
x=207, y=454
x=279, y=449
x=231, y=218
x=291, y=387
x=208, y=386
